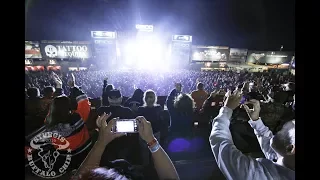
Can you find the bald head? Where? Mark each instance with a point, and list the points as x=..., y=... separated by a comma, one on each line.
x=284, y=141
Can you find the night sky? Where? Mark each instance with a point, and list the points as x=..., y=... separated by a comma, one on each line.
x=252, y=24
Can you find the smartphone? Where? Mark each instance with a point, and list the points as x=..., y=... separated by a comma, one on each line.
x=243, y=100
x=125, y=126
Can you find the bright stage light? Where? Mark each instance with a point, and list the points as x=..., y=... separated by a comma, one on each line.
x=196, y=55
x=118, y=52
x=145, y=54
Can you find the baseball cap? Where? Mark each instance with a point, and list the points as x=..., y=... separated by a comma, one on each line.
x=114, y=94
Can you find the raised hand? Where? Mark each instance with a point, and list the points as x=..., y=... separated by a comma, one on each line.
x=145, y=129
x=57, y=80
x=255, y=112
x=72, y=80
x=233, y=99
x=245, y=87
x=105, y=133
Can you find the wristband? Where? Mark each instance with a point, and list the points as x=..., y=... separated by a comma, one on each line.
x=155, y=148
x=256, y=119
x=154, y=141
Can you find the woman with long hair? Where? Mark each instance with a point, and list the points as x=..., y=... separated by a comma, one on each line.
x=152, y=111
x=67, y=116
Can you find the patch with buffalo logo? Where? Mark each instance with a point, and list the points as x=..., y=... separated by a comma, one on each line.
x=49, y=155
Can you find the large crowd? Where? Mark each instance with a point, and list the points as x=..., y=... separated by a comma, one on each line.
x=60, y=102
x=161, y=82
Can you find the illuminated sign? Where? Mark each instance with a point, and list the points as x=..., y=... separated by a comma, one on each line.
x=64, y=50
x=209, y=53
x=269, y=57
x=182, y=38
x=213, y=47
x=99, y=41
x=238, y=54
x=277, y=56
x=103, y=34
x=180, y=45
x=32, y=49
x=222, y=65
x=180, y=52
x=258, y=56
x=146, y=28
x=52, y=62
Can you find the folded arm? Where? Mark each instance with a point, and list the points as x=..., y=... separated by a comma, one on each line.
x=232, y=163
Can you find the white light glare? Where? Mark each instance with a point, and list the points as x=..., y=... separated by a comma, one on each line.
x=147, y=54
x=196, y=55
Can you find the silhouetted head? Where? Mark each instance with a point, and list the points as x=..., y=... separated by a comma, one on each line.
x=117, y=170
x=114, y=97
x=109, y=87
x=33, y=92
x=200, y=86
x=138, y=94
x=60, y=111
x=184, y=104
x=103, y=174
x=48, y=91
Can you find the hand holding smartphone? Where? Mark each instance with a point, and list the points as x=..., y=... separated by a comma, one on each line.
x=125, y=126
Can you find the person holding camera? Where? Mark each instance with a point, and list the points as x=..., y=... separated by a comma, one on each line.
x=90, y=168
x=125, y=147
x=279, y=149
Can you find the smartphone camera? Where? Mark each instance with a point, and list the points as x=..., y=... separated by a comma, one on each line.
x=243, y=100
x=125, y=126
